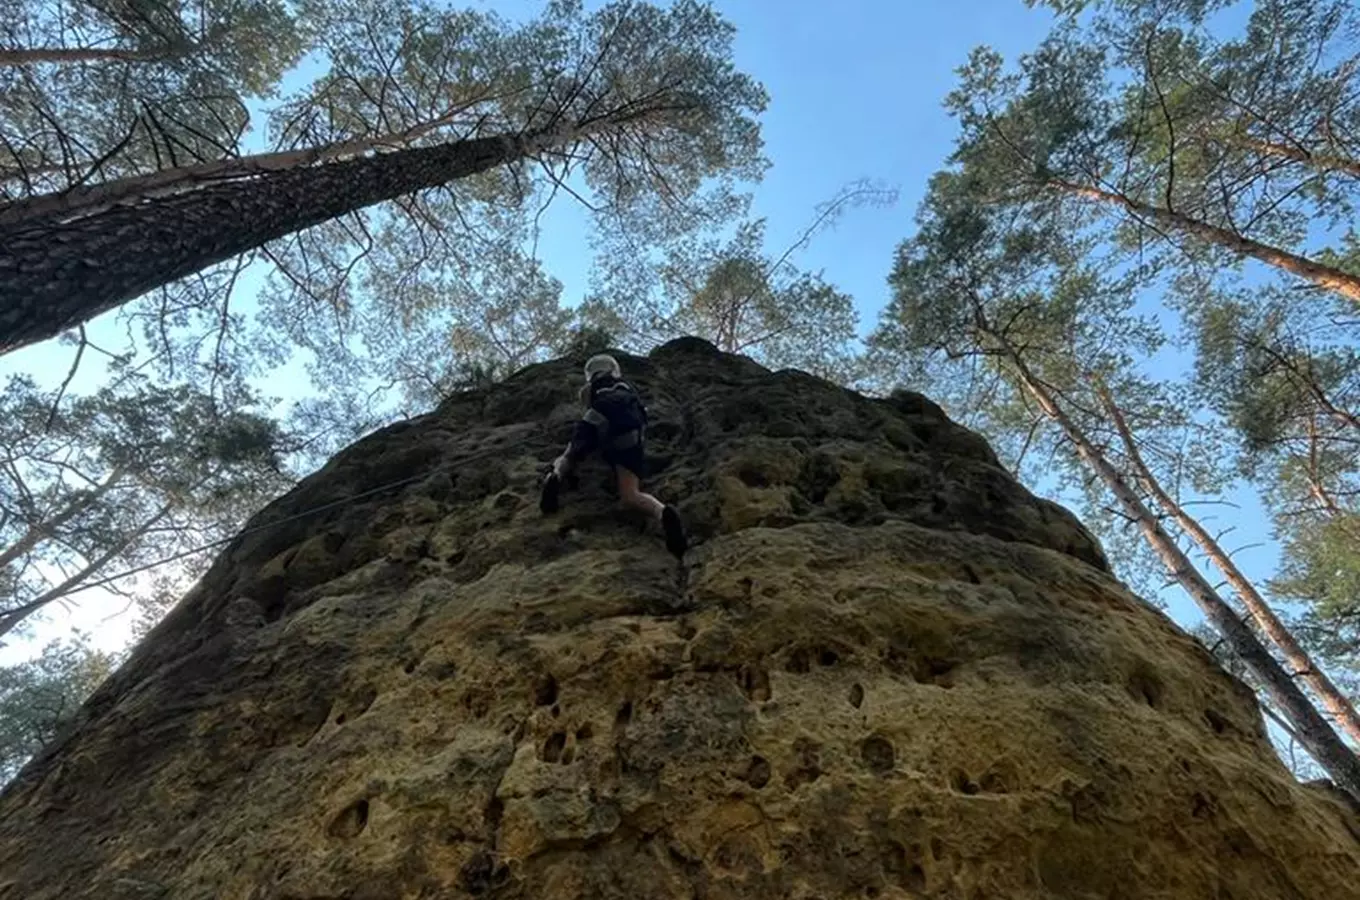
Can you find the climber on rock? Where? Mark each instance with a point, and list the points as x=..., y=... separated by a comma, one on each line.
x=614, y=422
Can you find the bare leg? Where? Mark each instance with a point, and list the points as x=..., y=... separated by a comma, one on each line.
x=631, y=493
x=563, y=465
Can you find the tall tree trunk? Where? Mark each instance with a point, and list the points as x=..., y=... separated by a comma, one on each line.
x=1327, y=277
x=40, y=531
x=1327, y=162
x=12, y=57
x=87, y=198
x=1317, y=735
x=1260, y=610
x=10, y=619
x=57, y=274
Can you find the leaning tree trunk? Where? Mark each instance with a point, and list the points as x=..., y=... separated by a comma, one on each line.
x=65, y=55
x=1322, y=161
x=883, y=670
x=80, y=199
x=59, y=271
x=1278, y=633
x=1327, y=277
x=1317, y=735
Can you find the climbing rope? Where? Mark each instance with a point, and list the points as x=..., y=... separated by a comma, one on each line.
x=184, y=554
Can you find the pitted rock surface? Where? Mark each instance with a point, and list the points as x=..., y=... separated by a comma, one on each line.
x=884, y=669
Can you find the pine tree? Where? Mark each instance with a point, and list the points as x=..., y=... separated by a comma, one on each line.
x=1201, y=149
x=568, y=102
x=139, y=471
x=1029, y=301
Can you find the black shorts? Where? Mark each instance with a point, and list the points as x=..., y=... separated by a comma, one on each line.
x=586, y=438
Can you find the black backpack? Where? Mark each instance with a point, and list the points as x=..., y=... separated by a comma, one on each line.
x=620, y=405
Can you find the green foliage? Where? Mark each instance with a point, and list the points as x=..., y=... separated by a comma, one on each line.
x=138, y=471
x=979, y=289
x=1144, y=114
x=1194, y=10
x=734, y=292
x=1322, y=566
x=1162, y=151
x=657, y=130
x=1277, y=369
x=1284, y=373
x=38, y=698
x=166, y=84
x=585, y=340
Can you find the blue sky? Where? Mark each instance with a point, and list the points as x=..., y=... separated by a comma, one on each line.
x=856, y=92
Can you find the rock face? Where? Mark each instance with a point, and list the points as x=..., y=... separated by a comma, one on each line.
x=883, y=670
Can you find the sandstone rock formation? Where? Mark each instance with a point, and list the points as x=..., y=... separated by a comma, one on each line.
x=884, y=670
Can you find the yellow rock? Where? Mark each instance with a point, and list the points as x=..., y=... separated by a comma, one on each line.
x=883, y=670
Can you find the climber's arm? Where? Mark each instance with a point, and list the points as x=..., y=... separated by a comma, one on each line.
x=585, y=437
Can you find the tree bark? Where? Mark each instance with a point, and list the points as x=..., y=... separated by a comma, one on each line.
x=11, y=618
x=1327, y=162
x=56, y=274
x=1316, y=734
x=40, y=531
x=12, y=57
x=1327, y=277
x=1335, y=702
x=86, y=198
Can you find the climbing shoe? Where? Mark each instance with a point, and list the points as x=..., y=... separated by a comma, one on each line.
x=547, y=502
x=675, y=532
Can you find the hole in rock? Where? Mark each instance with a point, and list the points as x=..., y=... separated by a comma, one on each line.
x=1146, y=687
x=963, y=784
x=914, y=879
x=755, y=681
x=340, y=719
x=455, y=557
x=553, y=746
x=932, y=670
x=753, y=477
x=585, y=732
x=856, y=695
x=997, y=781
x=625, y=713
x=410, y=666
x=878, y=754
x=545, y=691
x=758, y=772
x=809, y=769
x=556, y=711
x=477, y=704
x=828, y=657
x=479, y=874
x=936, y=849
x=495, y=809
x=1217, y=721
x=352, y=820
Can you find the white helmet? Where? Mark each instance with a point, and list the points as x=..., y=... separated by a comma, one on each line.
x=602, y=364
